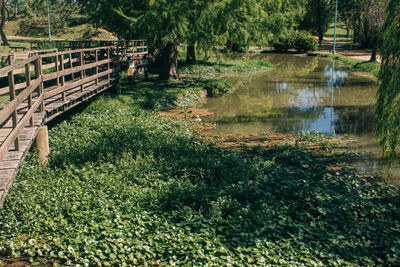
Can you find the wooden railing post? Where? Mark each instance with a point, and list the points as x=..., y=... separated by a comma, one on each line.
x=63, y=77
x=10, y=59
x=11, y=84
x=38, y=72
x=57, y=68
x=82, y=59
x=109, y=64
x=97, y=67
x=28, y=82
x=71, y=65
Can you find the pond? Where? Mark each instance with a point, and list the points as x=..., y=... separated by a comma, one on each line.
x=305, y=94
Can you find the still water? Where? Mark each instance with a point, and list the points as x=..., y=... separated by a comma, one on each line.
x=304, y=94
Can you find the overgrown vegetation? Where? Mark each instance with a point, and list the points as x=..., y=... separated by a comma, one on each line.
x=221, y=64
x=371, y=67
x=127, y=186
x=388, y=94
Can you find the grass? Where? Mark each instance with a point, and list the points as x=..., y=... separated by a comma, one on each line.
x=73, y=31
x=220, y=64
x=341, y=33
x=162, y=95
x=372, y=68
x=127, y=186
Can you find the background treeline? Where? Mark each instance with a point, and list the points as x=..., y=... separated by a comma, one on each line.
x=199, y=24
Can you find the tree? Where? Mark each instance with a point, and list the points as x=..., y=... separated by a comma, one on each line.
x=167, y=23
x=365, y=17
x=318, y=17
x=3, y=21
x=374, y=18
x=164, y=23
x=388, y=103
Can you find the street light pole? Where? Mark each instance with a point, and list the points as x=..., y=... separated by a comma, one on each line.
x=48, y=18
x=334, y=31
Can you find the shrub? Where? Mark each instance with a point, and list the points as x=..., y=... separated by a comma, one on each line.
x=284, y=43
x=305, y=42
x=301, y=41
x=216, y=87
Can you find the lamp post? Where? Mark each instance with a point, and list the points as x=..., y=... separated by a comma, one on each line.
x=48, y=18
x=334, y=31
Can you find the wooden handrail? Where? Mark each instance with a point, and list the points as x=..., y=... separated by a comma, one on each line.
x=63, y=73
x=13, y=135
x=20, y=64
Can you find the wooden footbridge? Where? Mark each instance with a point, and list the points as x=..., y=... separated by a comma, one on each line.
x=43, y=85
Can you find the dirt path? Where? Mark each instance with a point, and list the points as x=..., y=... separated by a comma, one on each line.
x=342, y=49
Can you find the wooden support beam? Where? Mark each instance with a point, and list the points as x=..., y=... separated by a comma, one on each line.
x=82, y=65
x=14, y=112
x=57, y=69
x=28, y=82
x=63, y=77
x=97, y=67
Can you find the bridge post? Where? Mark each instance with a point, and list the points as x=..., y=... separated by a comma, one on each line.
x=42, y=143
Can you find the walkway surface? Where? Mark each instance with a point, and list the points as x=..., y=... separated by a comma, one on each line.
x=342, y=49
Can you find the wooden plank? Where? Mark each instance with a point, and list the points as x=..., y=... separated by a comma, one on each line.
x=13, y=155
x=72, y=101
x=4, y=183
x=9, y=164
x=6, y=173
x=137, y=53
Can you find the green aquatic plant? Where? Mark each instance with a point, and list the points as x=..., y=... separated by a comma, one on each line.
x=126, y=186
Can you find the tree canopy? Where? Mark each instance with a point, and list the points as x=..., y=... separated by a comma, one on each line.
x=318, y=17
x=167, y=23
x=388, y=104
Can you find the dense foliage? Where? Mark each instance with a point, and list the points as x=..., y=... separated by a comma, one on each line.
x=128, y=186
x=300, y=41
x=166, y=24
x=364, y=17
x=388, y=104
x=318, y=17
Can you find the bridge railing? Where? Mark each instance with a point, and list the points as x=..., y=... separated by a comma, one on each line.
x=10, y=109
x=41, y=80
x=44, y=82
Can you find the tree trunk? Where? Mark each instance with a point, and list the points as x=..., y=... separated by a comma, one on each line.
x=170, y=62
x=191, y=54
x=374, y=49
x=320, y=36
x=3, y=22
